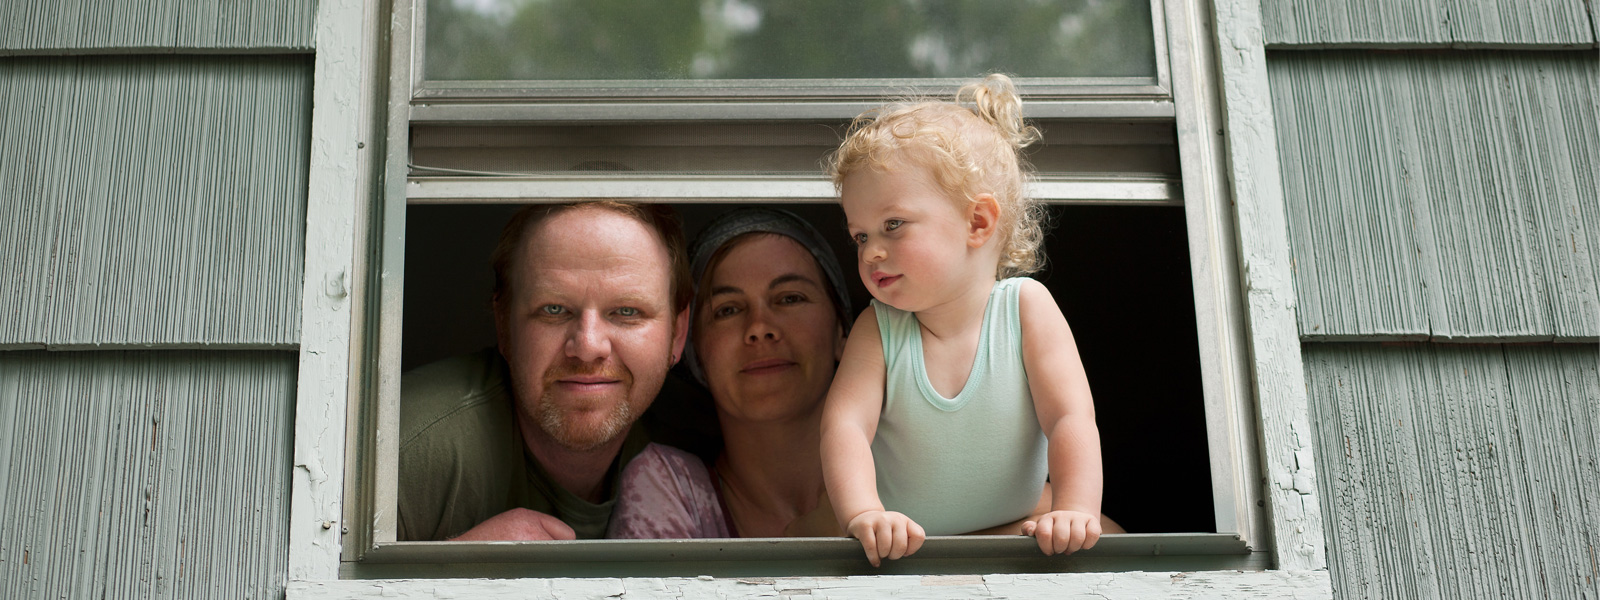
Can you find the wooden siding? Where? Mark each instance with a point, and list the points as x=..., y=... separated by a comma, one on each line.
x=1426, y=23
x=1443, y=196
x=1458, y=471
x=145, y=474
x=152, y=201
x=155, y=26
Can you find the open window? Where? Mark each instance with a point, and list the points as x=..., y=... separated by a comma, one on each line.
x=707, y=103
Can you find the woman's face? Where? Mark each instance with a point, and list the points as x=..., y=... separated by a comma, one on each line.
x=766, y=332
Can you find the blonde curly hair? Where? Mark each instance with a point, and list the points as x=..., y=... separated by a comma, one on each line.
x=970, y=151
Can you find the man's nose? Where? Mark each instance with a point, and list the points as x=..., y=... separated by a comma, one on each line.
x=760, y=327
x=588, y=340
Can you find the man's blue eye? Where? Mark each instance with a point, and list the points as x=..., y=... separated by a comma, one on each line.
x=628, y=311
x=892, y=224
x=552, y=309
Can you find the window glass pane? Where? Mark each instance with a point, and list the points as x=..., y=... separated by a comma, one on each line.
x=785, y=39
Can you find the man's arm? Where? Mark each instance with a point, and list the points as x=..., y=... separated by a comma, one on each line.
x=518, y=524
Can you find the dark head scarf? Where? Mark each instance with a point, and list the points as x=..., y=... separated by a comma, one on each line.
x=765, y=220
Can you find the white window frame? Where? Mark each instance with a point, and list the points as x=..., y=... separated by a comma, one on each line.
x=342, y=521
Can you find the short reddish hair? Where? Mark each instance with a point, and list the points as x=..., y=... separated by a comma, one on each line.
x=660, y=218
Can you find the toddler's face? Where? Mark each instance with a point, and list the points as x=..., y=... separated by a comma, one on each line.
x=910, y=236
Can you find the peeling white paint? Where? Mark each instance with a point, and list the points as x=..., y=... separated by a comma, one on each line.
x=1217, y=585
x=1288, y=461
x=333, y=197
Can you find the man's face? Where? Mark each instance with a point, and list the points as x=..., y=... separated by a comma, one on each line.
x=587, y=325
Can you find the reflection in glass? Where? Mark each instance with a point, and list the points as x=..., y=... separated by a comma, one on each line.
x=786, y=39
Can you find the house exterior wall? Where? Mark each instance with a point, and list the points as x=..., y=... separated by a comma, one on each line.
x=1459, y=470
x=155, y=27
x=153, y=177
x=1442, y=202
x=1439, y=23
x=153, y=200
x=1442, y=196
x=144, y=474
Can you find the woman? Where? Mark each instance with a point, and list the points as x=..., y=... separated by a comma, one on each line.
x=769, y=322
x=769, y=329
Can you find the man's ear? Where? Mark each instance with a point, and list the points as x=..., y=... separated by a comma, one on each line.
x=680, y=334
x=502, y=323
x=983, y=219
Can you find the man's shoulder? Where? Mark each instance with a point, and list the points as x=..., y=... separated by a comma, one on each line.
x=450, y=390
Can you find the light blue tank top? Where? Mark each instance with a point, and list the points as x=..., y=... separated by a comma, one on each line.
x=956, y=465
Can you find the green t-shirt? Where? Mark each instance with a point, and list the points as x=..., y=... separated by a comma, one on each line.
x=462, y=461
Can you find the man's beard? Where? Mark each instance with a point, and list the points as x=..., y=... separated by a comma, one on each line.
x=582, y=436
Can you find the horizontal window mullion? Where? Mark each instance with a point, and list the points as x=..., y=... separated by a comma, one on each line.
x=722, y=188
x=573, y=111
x=767, y=88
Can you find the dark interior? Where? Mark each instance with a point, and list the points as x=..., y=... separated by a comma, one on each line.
x=1121, y=275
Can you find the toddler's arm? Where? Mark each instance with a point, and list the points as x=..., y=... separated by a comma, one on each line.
x=1066, y=413
x=849, y=422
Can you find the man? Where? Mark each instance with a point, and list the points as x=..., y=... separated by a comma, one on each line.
x=527, y=442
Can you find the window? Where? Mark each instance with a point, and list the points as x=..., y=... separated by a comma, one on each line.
x=1140, y=253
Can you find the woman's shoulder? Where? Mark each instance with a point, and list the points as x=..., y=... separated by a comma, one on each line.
x=662, y=458
x=666, y=493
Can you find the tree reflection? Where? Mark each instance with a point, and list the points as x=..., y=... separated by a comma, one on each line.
x=786, y=39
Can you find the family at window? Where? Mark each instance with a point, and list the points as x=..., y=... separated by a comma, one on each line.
x=955, y=403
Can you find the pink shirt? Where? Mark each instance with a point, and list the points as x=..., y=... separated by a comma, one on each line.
x=667, y=494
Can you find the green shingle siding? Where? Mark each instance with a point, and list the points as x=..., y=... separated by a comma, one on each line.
x=156, y=26
x=153, y=201
x=1443, y=196
x=150, y=474
x=1426, y=23
x=1458, y=471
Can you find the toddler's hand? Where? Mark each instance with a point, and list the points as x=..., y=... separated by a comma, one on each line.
x=1064, y=531
x=886, y=534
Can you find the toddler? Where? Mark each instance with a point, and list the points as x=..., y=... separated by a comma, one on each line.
x=960, y=388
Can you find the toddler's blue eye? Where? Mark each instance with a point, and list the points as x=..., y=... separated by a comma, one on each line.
x=859, y=239
x=892, y=224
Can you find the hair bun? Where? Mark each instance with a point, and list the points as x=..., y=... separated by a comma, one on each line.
x=996, y=101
